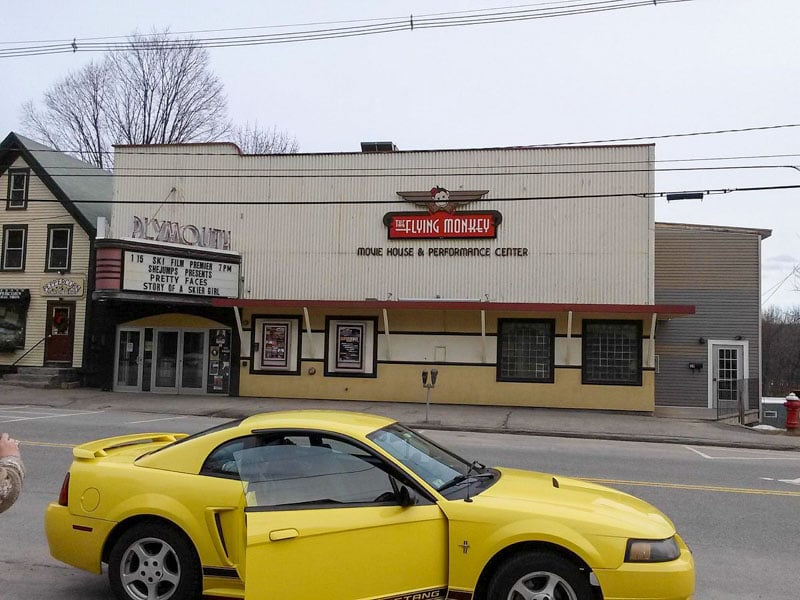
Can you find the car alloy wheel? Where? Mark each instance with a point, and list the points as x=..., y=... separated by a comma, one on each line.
x=539, y=576
x=153, y=561
x=541, y=585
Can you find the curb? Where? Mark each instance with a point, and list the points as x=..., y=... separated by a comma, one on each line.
x=617, y=437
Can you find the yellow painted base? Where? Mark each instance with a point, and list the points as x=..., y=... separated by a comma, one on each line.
x=456, y=385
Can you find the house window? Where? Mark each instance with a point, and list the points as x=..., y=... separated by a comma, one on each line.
x=17, y=189
x=351, y=347
x=59, y=247
x=612, y=352
x=525, y=350
x=15, y=238
x=275, y=345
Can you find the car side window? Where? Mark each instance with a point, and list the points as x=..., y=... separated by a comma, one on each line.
x=312, y=471
x=222, y=462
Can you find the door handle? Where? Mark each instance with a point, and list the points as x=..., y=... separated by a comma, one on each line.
x=283, y=534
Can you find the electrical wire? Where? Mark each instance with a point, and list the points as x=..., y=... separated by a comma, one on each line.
x=706, y=192
x=130, y=149
x=345, y=29
x=776, y=288
x=231, y=173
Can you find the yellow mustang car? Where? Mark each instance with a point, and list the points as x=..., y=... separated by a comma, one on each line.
x=327, y=504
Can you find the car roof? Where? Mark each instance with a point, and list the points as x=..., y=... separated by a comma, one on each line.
x=353, y=423
x=183, y=456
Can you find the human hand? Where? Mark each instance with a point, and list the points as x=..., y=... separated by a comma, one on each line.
x=8, y=446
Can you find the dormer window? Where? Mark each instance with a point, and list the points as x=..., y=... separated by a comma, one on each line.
x=18, y=180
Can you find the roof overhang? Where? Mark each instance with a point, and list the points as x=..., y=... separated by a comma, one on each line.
x=664, y=311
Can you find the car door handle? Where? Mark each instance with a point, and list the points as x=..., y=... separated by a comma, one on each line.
x=282, y=534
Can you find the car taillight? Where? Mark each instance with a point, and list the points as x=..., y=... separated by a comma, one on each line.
x=63, y=496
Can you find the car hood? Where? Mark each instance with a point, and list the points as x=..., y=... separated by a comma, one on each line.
x=599, y=510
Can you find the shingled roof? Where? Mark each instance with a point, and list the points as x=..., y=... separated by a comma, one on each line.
x=83, y=189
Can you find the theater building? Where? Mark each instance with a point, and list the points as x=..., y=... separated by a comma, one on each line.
x=523, y=276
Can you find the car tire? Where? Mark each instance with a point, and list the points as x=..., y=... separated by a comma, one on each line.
x=154, y=560
x=539, y=575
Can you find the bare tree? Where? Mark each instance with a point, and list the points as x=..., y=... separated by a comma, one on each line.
x=158, y=90
x=73, y=117
x=780, y=342
x=164, y=92
x=257, y=140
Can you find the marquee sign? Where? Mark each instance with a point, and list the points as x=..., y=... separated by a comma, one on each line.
x=160, y=274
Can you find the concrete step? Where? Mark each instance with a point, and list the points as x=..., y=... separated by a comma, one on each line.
x=43, y=378
x=65, y=372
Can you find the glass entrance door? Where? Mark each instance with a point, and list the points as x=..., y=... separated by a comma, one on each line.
x=128, y=367
x=193, y=362
x=728, y=392
x=165, y=360
x=179, y=361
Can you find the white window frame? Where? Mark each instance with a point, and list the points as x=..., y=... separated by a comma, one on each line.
x=7, y=229
x=51, y=229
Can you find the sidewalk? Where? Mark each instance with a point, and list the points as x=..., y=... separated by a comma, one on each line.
x=499, y=419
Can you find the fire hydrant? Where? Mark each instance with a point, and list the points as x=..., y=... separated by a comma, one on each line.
x=792, y=405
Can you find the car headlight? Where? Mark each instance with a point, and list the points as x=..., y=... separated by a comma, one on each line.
x=652, y=550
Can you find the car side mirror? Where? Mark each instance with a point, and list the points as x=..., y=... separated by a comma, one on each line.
x=405, y=498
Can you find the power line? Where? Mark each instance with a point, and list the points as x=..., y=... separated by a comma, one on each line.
x=673, y=135
x=776, y=288
x=130, y=149
x=345, y=29
x=643, y=195
x=233, y=173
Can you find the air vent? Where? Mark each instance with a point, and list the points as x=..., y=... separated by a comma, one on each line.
x=378, y=147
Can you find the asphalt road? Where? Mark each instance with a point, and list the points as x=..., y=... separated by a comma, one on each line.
x=736, y=508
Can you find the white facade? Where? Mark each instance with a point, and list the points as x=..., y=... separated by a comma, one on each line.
x=582, y=220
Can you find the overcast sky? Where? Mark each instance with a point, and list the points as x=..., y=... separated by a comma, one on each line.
x=701, y=65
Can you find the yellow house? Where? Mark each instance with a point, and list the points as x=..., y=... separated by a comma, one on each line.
x=48, y=220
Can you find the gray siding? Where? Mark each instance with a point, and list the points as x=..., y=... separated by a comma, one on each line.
x=717, y=270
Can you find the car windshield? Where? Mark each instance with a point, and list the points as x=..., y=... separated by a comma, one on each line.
x=427, y=460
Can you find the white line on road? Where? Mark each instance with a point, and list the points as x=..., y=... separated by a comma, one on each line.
x=154, y=420
x=77, y=414
x=707, y=457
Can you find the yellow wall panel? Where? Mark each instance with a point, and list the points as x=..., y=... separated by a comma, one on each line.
x=456, y=385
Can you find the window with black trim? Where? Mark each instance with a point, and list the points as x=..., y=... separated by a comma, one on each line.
x=612, y=352
x=59, y=247
x=351, y=345
x=525, y=350
x=15, y=239
x=17, y=197
x=276, y=345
